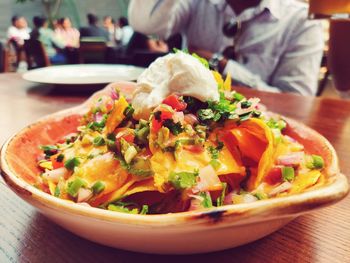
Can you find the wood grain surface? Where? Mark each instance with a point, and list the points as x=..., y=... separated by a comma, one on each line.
x=27, y=236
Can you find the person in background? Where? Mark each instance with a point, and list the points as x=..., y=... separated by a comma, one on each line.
x=68, y=34
x=55, y=24
x=70, y=37
x=93, y=30
x=125, y=31
x=18, y=31
x=141, y=42
x=265, y=44
x=110, y=26
x=53, y=45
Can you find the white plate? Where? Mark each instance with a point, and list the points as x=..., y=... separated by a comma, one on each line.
x=83, y=74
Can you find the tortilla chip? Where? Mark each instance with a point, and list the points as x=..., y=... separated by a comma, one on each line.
x=117, y=115
x=305, y=180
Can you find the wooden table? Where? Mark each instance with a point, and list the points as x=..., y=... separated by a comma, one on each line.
x=27, y=236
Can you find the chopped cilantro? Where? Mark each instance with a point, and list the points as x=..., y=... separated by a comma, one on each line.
x=256, y=113
x=71, y=163
x=276, y=124
x=315, y=162
x=260, y=196
x=135, y=167
x=206, y=114
x=214, y=151
x=246, y=104
x=193, y=104
x=57, y=192
x=99, y=141
x=238, y=96
x=245, y=116
x=110, y=142
x=201, y=130
x=201, y=60
x=98, y=187
x=207, y=202
x=122, y=209
x=157, y=115
x=144, y=210
x=218, y=111
x=170, y=149
x=60, y=158
x=318, y=161
x=98, y=126
x=215, y=164
x=49, y=150
x=220, y=145
x=183, y=180
x=74, y=186
x=128, y=112
x=175, y=128
x=111, y=136
x=221, y=198
x=288, y=173
x=142, y=134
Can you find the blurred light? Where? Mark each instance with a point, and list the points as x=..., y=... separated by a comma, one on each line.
x=335, y=9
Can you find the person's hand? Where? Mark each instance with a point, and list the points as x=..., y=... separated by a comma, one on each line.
x=157, y=46
x=208, y=55
x=201, y=52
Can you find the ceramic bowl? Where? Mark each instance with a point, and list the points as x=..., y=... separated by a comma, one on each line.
x=179, y=233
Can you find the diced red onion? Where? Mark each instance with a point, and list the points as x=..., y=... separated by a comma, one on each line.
x=40, y=157
x=114, y=94
x=261, y=107
x=178, y=117
x=196, y=203
x=228, y=94
x=208, y=179
x=98, y=117
x=291, y=159
x=254, y=102
x=228, y=198
x=290, y=139
x=248, y=198
x=281, y=188
x=56, y=174
x=191, y=119
x=84, y=195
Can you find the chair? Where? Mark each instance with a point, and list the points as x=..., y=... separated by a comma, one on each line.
x=2, y=58
x=324, y=74
x=92, y=51
x=139, y=52
x=36, y=54
x=143, y=58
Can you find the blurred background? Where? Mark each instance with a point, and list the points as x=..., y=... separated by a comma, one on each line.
x=75, y=36
x=75, y=9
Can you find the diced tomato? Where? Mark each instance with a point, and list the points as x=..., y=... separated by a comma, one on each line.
x=164, y=115
x=126, y=134
x=56, y=164
x=174, y=101
x=109, y=106
x=156, y=125
x=274, y=176
x=194, y=148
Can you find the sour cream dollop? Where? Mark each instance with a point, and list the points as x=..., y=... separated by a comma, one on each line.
x=174, y=73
